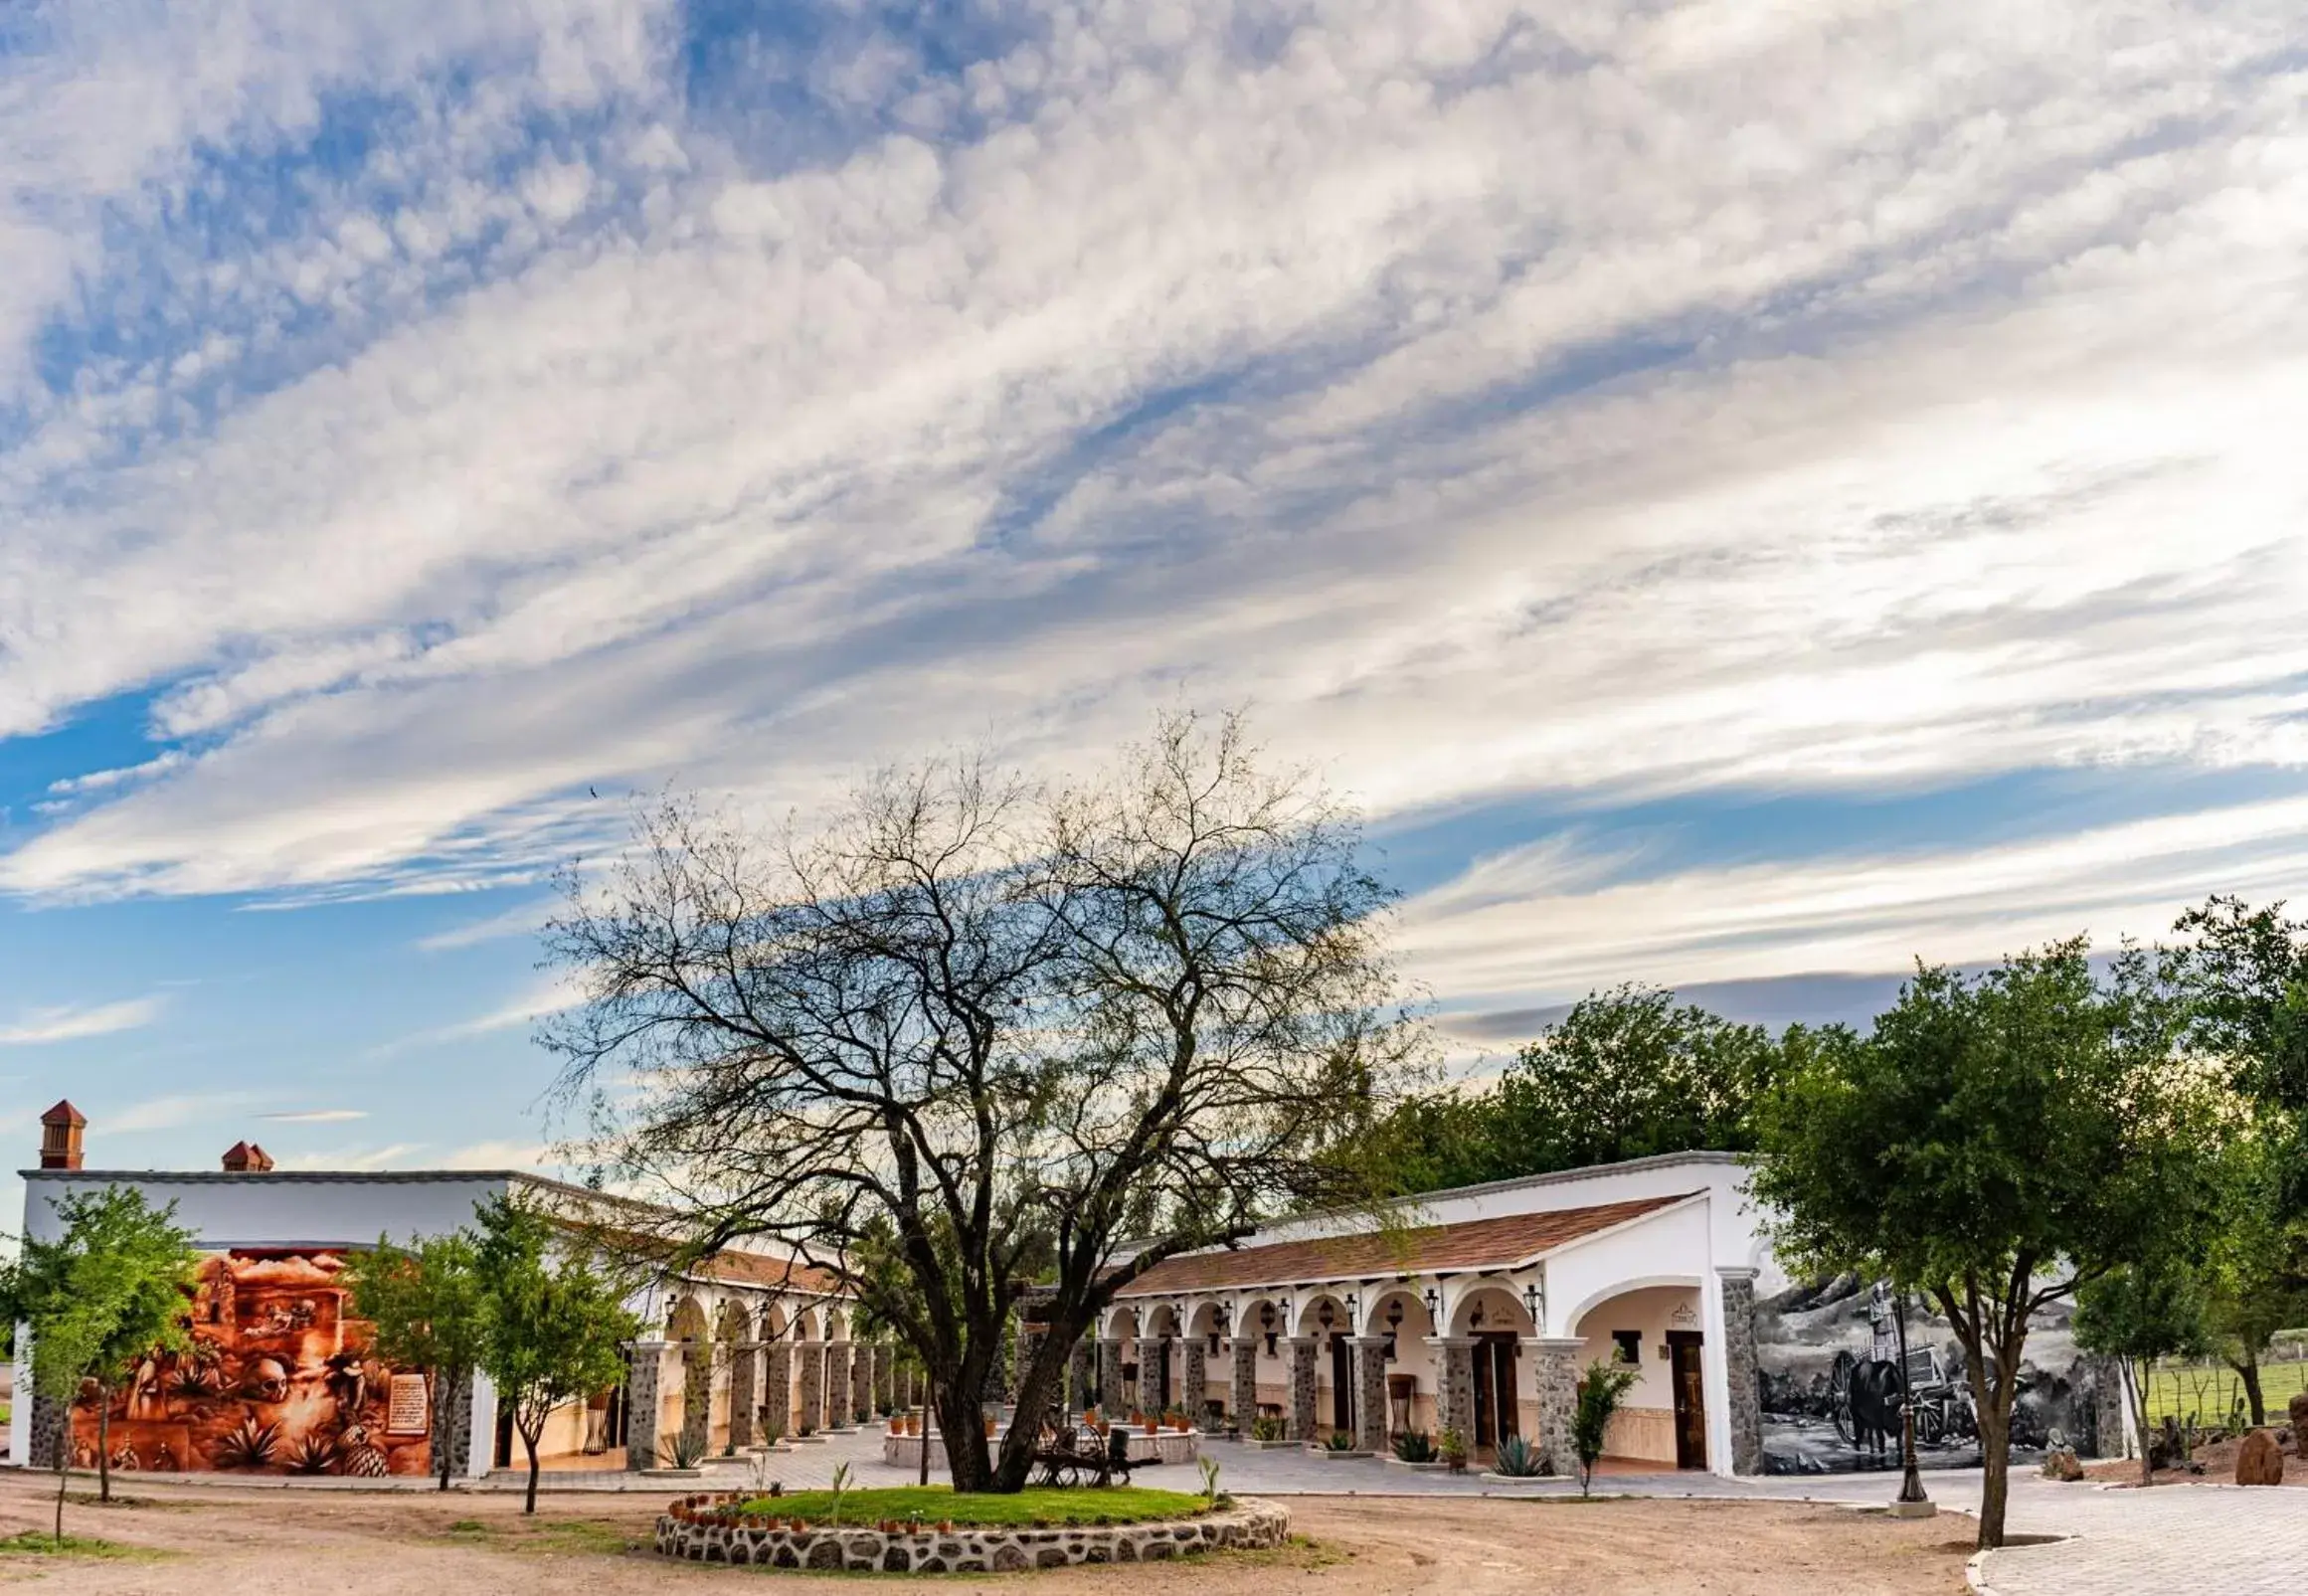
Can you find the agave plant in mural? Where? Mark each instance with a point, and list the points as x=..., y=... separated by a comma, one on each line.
x=252, y=1445
x=313, y=1454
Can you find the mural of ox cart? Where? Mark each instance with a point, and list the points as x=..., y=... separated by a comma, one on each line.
x=1863, y=1401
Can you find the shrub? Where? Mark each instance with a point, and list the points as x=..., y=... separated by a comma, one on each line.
x=1339, y=1441
x=1415, y=1446
x=1268, y=1429
x=1599, y=1396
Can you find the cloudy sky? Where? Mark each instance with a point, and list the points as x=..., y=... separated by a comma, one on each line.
x=1743, y=495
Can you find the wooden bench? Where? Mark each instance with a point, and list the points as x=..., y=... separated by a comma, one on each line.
x=1062, y=1463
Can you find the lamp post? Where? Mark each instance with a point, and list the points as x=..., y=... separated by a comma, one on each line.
x=1912, y=1502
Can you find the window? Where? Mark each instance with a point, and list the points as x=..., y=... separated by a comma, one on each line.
x=1629, y=1344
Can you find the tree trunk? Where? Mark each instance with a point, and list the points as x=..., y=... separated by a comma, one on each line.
x=529, y=1445
x=2139, y=1379
x=64, y=1456
x=103, y=1442
x=961, y=1416
x=2248, y=1369
x=440, y=1389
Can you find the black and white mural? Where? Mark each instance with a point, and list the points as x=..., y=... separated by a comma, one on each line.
x=1830, y=1358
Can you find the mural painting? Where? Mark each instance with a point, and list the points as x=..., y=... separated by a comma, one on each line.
x=1829, y=1355
x=278, y=1379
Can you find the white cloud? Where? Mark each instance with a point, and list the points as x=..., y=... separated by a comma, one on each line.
x=1608, y=400
x=317, y=1115
x=68, y=1024
x=170, y=1112
x=1499, y=930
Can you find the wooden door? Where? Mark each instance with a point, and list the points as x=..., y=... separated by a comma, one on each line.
x=1691, y=1398
x=1341, y=1385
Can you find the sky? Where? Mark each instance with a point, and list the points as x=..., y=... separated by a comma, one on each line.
x=1743, y=497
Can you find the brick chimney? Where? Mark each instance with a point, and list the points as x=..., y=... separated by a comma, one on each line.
x=246, y=1158
x=60, y=1136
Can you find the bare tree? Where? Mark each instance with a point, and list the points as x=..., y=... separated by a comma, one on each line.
x=976, y=1034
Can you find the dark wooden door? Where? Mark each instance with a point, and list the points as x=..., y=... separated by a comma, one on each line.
x=1162, y=1378
x=1691, y=1398
x=1341, y=1385
x=1495, y=1403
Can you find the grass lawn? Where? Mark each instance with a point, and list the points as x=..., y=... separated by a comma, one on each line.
x=1090, y=1505
x=40, y=1543
x=2208, y=1392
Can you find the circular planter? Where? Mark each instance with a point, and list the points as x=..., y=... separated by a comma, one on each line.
x=715, y=1534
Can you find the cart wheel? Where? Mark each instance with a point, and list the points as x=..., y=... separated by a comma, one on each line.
x=1839, y=1394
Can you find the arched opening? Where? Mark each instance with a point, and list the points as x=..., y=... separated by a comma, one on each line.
x=1122, y=1329
x=1654, y=1329
x=733, y=1384
x=1328, y=1321
x=1400, y=1315
x=1265, y=1322
x=1160, y=1378
x=1505, y=1399
x=684, y=1407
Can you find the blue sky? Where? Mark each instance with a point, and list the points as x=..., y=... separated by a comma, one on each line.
x=1742, y=497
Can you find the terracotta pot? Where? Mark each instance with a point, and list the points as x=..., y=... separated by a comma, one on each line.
x=990, y=1428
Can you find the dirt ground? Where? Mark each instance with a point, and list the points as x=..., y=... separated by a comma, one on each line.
x=2218, y=1462
x=334, y=1543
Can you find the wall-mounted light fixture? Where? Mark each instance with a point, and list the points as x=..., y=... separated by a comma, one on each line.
x=1434, y=1301
x=1534, y=1304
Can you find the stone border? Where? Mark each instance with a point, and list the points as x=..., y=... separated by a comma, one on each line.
x=709, y=1530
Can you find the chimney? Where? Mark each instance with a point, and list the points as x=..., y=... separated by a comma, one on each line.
x=246, y=1158
x=60, y=1136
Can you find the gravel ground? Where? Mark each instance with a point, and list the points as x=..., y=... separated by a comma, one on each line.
x=333, y=1544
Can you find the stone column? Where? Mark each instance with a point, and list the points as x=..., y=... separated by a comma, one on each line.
x=697, y=1396
x=778, y=1391
x=1454, y=1385
x=1556, y=1360
x=649, y=1359
x=1110, y=1399
x=1081, y=1388
x=1197, y=1387
x=1023, y=1344
x=861, y=1383
x=744, y=1377
x=1746, y=1393
x=885, y=1375
x=905, y=1387
x=838, y=1385
x=1301, y=1405
x=1244, y=1399
x=1371, y=1417
x=811, y=1419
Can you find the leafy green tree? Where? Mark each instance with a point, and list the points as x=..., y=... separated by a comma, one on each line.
x=1994, y=1144
x=2244, y=975
x=1626, y=1074
x=2255, y=1269
x=1602, y=1390
x=109, y=1290
x=426, y=1303
x=2141, y=1314
x=553, y=1321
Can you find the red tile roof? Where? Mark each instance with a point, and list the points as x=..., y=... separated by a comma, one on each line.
x=780, y=1274
x=1472, y=1246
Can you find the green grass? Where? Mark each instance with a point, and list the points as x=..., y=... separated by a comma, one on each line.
x=547, y=1535
x=1117, y=1504
x=2209, y=1393
x=40, y=1543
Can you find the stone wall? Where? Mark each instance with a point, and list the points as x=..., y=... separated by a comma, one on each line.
x=1739, y=1364
x=705, y=1531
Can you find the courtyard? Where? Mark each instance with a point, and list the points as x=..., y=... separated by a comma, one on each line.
x=1360, y=1527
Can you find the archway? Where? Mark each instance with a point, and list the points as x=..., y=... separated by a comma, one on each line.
x=686, y=1411
x=1498, y=1322
x=731, y=1422
x=1400, y=1315
x=1654, y=1331
x=1158, y=1375
x=1329, y=1322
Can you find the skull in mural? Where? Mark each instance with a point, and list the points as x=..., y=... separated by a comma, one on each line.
x=265, y=1379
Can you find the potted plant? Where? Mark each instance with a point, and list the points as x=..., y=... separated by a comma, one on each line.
x=1452, y=1444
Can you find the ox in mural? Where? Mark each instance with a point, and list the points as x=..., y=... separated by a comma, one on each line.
x=1829, y=1355
x=277, y=1379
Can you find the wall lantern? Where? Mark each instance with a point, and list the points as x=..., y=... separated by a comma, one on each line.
x=1393, y=1327
x=1433, y=1302
x=1354, y=1311
x=1325, y=1316
x=1265, y=1318
x=1534, y=1304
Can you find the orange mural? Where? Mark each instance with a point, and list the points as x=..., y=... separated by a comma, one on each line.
x=278, y=1380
